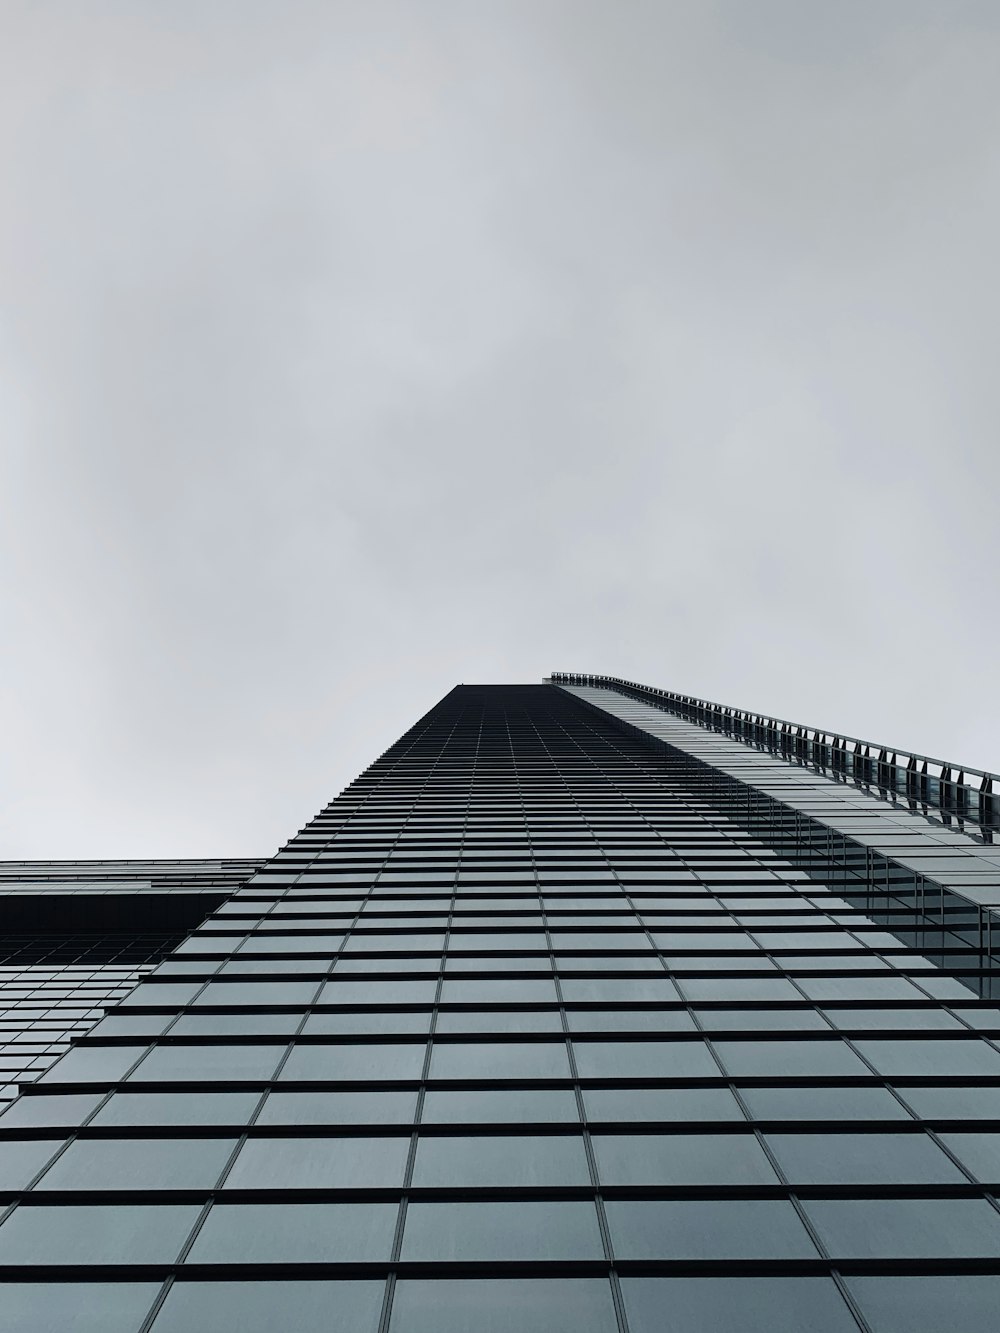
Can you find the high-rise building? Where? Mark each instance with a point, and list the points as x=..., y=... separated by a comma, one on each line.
x=588, y=1008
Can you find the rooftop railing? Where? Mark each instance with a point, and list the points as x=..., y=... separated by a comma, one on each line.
x=951, y=793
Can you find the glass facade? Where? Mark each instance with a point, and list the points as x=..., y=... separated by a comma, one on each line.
x=532, y=1030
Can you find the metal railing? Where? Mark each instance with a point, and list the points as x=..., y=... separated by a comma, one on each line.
x=931, y=787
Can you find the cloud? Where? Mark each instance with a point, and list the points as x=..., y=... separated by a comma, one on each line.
x=349, y=351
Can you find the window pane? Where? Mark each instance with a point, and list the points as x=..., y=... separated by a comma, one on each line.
x=979, y=1152
x=102, y=1234
x=75, y=1307
x=906, y=1228
x=178, y=1108
x=139, y=1164
x=954, y=1102
x=498, y=1020
x=338, y=1108
x=512, y=1160
x=22, y=1159
x=327, y=1163
x=448, y=1232
x=682, y=1159
x=70, y=1108
x=644, y=1059
x=499, y=1105
x=93, y=1064
x=355, y=1061
x=661, y=1104
x=303, y=1233
x=490, y=1060
x=736, y=1305
x=214, y=1063
x=707, y=1229
x=630, y=1020
x=265, y=1307
x=927, y=1304
x=931, y=1056
x=839, y=1104
x=862, y=1159
x=504, y=1305
x=788, y=1058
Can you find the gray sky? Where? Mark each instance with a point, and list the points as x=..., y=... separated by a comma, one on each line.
x=349, y=351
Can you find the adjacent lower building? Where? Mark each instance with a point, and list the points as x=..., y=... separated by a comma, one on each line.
x=588, y=1008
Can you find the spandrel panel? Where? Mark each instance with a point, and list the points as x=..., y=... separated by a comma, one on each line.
x=139, y=1164
x=736, y=1305
x=508, y=1161
x=707, y=1229
x=503, y=1305
x=320, y=1163
x=75, y=1307
x=681, y=1159
x=264, y=1307
x=96, y=1234
x=501, y=1231
x=295, y=1233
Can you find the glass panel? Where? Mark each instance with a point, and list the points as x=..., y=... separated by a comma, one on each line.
x=954, y=1103
x=498, y=1020
x=511, y=1160
x=99, y=1234
x=93, y=1064
x=906, y=1228
x=862, y=1159
x=355, y=1061
x=630, y=1020
x=178, y=1108
x=499, y=1105
x=661, y=1104
x=494, y=1059
x=933, y=1056
x=449, y=1232
x=836, y=1104
x=22, y=1159
x=264, y=1307
x=682, y=1159
x=373, y=1023
x=71, y=1108
x=75, y=1307
x=218, y=1064
x=139, y=1164
x=338, y=1108
x=927, y=1304
x=303, y=1233
x=327, y=1163
x=707, y=1229
x=757, y=1059
x=736, y=1305
x=644, y=1059
x=503, y=1305
x=979, y=1152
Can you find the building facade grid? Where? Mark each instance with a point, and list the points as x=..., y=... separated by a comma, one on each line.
x=525, y=1031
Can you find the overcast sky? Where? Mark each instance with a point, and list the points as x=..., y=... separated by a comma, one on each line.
x=349, y=351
